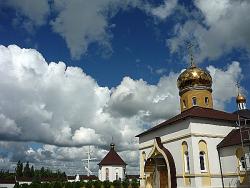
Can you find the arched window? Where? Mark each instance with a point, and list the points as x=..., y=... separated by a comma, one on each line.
x=242, y=163
x=186, y=158
x=116, y=174
x=194, y=101
x=107, y=173
x=202, y=161
x=206, y=100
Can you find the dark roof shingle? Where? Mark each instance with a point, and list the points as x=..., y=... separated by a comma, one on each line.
x=234, y=138
x=112, y=158
x=196, y=112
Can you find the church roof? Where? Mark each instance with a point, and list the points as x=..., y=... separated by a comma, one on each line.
x=245, y=113
x=234, y=138
x=112, y=158
x=196, y=112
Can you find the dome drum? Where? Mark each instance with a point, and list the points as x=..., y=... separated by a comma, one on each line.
x=195, y=87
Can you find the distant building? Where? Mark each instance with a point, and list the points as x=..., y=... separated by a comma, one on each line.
x=112, y=167
x=7, y=183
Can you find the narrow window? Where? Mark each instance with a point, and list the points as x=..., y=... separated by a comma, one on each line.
x=242, y=163
x=206, y=100
x=187, y=167
x=194, y=101
x=184, y=104
x=202, y=161
x=116, y=174
x=107, y=174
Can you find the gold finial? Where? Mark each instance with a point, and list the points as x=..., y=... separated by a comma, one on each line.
x=189, y=47
x=240, y=98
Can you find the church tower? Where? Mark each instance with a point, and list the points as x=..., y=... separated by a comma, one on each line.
x=195, y=87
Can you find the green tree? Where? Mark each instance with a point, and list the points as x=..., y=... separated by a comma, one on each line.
x=26, y=170
x=68, y=185
x=106, y=184
x=57, y=185
x=32, y=171
x=97, y=184
x=134, y=183
x=19, y=169
x=35, y=185
x=125, y=183
x=89, y=184
x=42, y=172
x=117, y=183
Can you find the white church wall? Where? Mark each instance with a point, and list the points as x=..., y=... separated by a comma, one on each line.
x=211, y=128
x=228, y=157
x=112, y=173
x=166, y=133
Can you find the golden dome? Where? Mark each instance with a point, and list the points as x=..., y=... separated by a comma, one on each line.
x=240, y=99
x=194, y=77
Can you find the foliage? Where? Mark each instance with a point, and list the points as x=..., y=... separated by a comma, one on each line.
x=106, y=184
x=97, y=184
x=134, y=183
x=89, y=184
x=19, y=169
x=117, y=183
x=125, y=183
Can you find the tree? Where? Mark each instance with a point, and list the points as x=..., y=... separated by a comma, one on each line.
x=32, y=171
x=19, y=169
x=106, y=184
x=97, y=184
x=117, y=183
x=125, y=183
x=42, y=172
x=26, y=170
x=134, y=183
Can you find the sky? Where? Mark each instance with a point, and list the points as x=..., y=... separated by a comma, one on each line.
x=81, y=72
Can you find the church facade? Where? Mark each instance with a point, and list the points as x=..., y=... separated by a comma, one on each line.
x=112, y=167
x=196, y=148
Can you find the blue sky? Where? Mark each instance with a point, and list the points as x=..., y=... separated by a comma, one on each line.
x=128, y=55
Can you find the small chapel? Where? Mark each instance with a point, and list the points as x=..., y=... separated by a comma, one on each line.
x=201, y=146
x=112, y=167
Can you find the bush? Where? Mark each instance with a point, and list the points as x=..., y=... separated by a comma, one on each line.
x=35, y=185
x=134, y=183
x=89, y=184
x=125, y=183
x=106, y=184
x=97, y=184
x=117, y=183
x=57, y=185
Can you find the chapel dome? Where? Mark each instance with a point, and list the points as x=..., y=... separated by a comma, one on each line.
x=194, y=77
x=240, y=99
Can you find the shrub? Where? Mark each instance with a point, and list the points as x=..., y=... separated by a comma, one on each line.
x=97, y=184
x=125, y=183
x=106, y=184
x=117, y=183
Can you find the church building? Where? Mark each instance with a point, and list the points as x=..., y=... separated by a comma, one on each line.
x=112, y=167
x=201, y=146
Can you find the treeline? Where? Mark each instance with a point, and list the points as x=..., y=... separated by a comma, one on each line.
x=90, y=184
x=30, y=172
x=25, y=171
